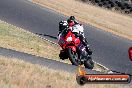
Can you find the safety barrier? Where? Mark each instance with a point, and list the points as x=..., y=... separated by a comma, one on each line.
x=123, y=6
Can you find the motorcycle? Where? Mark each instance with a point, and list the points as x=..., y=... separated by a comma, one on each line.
x=73, y=49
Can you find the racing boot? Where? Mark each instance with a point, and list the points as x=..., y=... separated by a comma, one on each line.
x=87, y=47
x=88, y=50
x=85, y=43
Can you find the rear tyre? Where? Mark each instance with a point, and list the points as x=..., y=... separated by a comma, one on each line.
x=73, y=57
x=89, y=63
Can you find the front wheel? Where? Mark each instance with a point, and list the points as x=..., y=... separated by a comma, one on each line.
x=89, y=63
x=73, y=57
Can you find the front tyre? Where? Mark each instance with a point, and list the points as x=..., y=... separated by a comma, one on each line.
x=73, y=57
x=63, y=55
x=89, y=63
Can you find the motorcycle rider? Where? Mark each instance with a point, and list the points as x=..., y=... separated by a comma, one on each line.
x=71, y=23
x=67, y=24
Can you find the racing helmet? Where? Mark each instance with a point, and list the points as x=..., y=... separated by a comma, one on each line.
x=72, y=18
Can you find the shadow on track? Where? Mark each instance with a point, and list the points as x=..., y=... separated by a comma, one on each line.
x=53, y=37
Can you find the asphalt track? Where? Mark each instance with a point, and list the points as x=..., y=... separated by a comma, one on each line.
x=108, y=49
x=52, y=64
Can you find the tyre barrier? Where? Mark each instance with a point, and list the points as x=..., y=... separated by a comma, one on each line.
x=121, y=6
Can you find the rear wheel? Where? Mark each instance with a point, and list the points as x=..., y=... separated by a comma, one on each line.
x=73, y=57
x=89, y=63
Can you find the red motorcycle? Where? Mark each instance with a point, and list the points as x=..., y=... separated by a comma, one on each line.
x=73, y=49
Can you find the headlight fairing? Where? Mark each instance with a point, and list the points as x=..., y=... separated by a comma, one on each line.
x=69, y=39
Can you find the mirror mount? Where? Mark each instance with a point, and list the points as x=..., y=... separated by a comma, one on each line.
x=130, y=53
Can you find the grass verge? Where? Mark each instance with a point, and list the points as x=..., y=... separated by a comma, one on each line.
x=21, y=40
x=16, y=73
x=101, y=18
